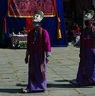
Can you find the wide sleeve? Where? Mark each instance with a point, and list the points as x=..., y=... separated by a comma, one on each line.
x=28, y=42
x=47, y=44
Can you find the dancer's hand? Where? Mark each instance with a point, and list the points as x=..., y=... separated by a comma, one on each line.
x=26, y=59
x=47, y=59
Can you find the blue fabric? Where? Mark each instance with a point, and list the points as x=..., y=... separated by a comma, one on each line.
x=16, y=24
x=3, y=13
x=49, y=23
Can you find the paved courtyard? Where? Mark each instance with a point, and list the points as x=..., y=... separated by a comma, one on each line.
x=60, y=70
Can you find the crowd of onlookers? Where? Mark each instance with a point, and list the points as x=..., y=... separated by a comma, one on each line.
x=73, y=34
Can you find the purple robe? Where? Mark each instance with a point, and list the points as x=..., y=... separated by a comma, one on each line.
x=37, y=49
x=86, y=70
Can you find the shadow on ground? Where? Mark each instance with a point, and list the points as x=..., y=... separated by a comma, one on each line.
x=60, y=84
x=52, y=85
x=5, y=90
x=49, y=85
x=66, y=84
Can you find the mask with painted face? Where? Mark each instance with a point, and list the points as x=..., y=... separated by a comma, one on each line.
x=37, y=18
x=89, y=15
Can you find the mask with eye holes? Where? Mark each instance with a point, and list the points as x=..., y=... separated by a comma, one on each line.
x=37, y=18
x=89, y=15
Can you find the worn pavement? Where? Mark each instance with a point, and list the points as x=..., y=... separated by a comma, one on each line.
x=61, y=69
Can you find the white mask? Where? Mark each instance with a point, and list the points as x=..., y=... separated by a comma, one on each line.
x=37, y=18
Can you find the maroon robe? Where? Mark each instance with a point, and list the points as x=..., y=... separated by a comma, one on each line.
x=38, y=45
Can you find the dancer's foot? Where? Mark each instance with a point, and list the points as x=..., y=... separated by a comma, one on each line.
x=74, y=82
x=24, y=90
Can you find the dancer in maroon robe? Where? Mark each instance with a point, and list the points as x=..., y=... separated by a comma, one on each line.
x=86, y=70
x=37, y=55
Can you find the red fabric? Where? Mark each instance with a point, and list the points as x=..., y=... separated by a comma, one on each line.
x=4, y=28
x=29, y=24
x=5, y=24
x=26, y=8
x=89, y=43
x=76, y=29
